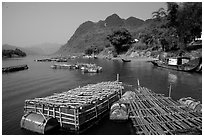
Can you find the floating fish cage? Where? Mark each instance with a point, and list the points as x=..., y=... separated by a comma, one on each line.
x=77, y=109
x=84, y=67
x=63, y=66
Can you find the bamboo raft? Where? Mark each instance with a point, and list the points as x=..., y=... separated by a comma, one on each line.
x=154, y=114
x=14, y=68
x=77, y=109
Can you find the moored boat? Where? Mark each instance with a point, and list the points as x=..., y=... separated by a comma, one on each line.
x=126, y=60
x=179, y=64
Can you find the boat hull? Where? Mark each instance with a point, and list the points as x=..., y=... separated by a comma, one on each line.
x=188, y=67
x=126, y=60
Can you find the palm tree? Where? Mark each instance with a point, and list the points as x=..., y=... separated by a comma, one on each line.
x=159, y=14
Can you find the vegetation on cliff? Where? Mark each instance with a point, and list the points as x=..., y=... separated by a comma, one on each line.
x=169, y=30
x=92, y=36
x=121, y=40
x=175, y=28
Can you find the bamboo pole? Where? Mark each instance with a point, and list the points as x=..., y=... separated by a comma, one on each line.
x=60, y=115
x=170, y=90
x=96, y=111
x=35, y=107
x=54, y=112
x=48, y=111
x=75, y=119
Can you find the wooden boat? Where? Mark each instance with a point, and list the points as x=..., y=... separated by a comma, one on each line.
x=199, y=68
x=77, y=109
x=126, y=60
x=14, y=68
x=179, y=64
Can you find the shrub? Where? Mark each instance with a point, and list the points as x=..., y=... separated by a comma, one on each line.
x=140, y=46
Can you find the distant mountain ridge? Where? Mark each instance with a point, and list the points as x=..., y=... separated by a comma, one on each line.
x=40, y=49
x=94, y=33
x=12, y=47
x=45, y=48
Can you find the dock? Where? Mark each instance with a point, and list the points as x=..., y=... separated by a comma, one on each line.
x=154, y=114
x=75, y=110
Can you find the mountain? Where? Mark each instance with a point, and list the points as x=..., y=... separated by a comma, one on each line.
x=93, y=34
x=8, y=47
x=114, y=21
x=45, y=48
x=11, y=47
x=40, y=49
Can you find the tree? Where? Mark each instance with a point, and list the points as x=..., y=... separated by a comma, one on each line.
x=172, y=10
x=169, y=40
x=120, y=39
x=9, y=53
x=89, y=51
x=159, y=14
x=186, y=18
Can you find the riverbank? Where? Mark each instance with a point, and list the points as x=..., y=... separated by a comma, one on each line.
x=147, y=55
x=120, y=57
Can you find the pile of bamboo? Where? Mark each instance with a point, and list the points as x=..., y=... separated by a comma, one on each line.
x=79, y=108
x=153, y=113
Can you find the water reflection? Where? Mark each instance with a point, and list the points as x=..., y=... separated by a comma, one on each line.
x=172, y=78
x=89, y=74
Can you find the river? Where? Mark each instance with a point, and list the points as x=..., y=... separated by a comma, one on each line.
x=40, y=81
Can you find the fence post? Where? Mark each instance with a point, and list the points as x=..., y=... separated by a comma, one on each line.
x=138, y=83
x=117, y=77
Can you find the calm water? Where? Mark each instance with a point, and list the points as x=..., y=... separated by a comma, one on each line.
x=40, y=81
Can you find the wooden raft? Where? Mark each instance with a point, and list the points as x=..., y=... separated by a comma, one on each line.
x=14, y=68
x=79, y=108
x=154, y=114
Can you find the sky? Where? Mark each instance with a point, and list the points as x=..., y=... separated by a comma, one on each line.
x=26, y=23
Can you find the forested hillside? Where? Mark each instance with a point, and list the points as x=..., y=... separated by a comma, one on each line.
x=168, y=30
